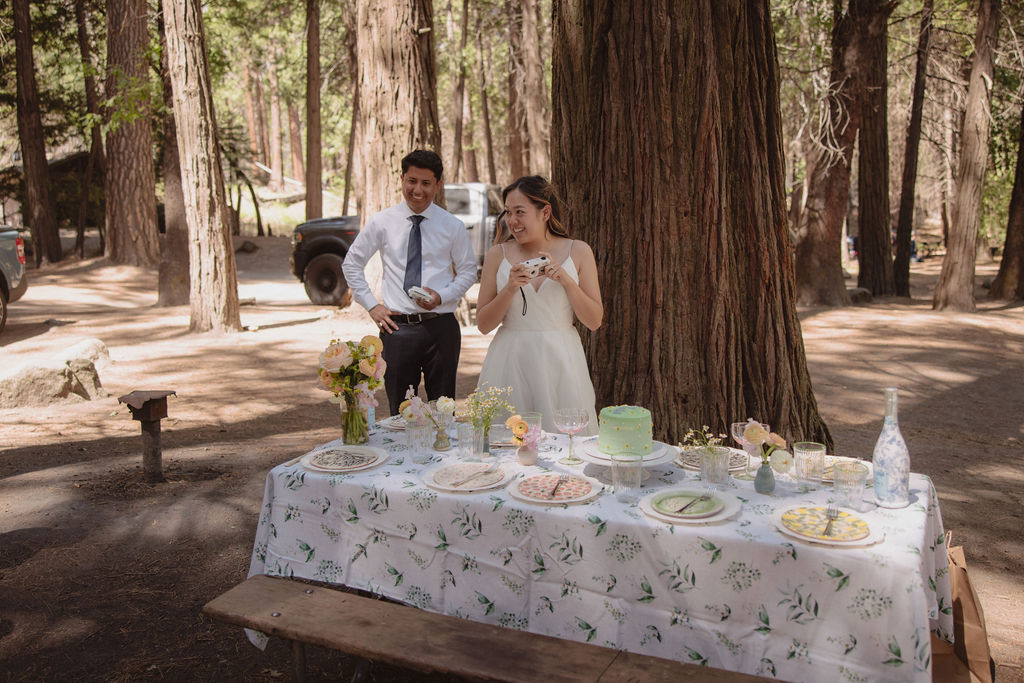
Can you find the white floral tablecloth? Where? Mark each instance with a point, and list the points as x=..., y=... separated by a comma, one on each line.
x=738, y=595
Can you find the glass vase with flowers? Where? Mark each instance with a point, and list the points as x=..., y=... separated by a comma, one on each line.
x=352, y=371
x=481, y=408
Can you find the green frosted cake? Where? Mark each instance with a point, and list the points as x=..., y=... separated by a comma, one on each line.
x=624, y=429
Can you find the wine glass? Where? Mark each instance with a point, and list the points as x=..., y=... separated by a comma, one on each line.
x=736, y=429
x=571, y=421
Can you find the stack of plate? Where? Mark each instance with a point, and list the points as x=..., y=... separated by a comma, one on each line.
x=395, y=422
x=666, y=505
x=546, y=490
x=336, y=459
x=808, y=524
x=661, y=454
x=689, y=458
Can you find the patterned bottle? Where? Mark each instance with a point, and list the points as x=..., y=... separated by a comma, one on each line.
x=891, y=460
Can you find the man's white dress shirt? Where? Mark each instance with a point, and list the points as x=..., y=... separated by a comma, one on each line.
x=449, y=265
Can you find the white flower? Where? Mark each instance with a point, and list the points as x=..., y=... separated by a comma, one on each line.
x=781, y=460
x=335, y=357
x=445, y=405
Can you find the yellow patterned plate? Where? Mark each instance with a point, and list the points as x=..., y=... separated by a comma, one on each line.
x=811, y=522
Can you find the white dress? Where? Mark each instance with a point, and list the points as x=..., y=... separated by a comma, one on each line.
x=540, y=354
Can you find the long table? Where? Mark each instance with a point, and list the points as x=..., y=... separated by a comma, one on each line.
x=737, y=595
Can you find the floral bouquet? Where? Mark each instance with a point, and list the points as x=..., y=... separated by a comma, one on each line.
x=439, y=413
x=522, y=434
x=701, y=439
x=352, y=371
x=770, y=446
x=483, y=405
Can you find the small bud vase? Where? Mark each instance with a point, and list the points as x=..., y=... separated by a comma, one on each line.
x=764, y=481
x=354, y=427
x=526, y=456
x=482, y=441
x=442, y=442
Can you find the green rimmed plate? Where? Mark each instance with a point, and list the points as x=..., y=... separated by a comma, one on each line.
x=669, y=501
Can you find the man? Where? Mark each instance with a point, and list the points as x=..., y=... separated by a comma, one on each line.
x=421, y=245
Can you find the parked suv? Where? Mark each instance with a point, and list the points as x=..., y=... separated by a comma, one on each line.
x=319, y=246
x=13, y=281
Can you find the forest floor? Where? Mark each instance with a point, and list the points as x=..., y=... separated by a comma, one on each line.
x=103, y=576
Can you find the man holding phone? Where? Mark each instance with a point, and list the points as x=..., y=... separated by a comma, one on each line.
x=428, y=266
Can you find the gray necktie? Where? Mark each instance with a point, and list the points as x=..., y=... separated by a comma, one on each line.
x=414, y=257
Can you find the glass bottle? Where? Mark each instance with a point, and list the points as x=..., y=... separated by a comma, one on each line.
x=891, y=459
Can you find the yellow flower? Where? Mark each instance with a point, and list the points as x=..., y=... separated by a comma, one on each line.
x=372, y=344
x=403, y=405
x=520, y=428
x=366, y=367
x=755, y=433
x=510, y=423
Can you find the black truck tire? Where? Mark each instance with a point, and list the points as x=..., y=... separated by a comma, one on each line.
x=3, y=309
x=325, y=283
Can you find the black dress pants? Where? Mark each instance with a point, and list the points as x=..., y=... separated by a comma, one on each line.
x=429, y=349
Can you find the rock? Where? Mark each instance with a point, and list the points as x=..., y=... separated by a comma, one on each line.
x=859, y=295
x=90, y=349
x=68, y=375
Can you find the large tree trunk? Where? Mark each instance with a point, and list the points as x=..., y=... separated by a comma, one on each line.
x=398, y=95
x=97, y=160
x=874, y=244
x=819, y=268
x=459, y=93
x=1009, y=282
x=39, y=212
x=276, y=151
x=262, y=126
x=132, y=236
x=314, y=153
x=955, y=289
x=538, y=128
x=516, y=119
x=173, y=278
x=214, y=296
x=905, y=223
x=492, y=173
x=470, y=173
x=255, y=144
x=700, y=309
x=295, y=142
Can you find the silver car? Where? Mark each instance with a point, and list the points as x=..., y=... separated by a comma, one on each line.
x=13, y=281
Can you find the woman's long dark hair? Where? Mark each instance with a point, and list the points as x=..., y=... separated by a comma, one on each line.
x=540, y=193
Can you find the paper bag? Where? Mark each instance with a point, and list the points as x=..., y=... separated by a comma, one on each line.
x=971, y=639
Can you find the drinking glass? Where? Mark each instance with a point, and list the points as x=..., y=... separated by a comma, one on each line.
x=626, y=475
x=849, y=479
x=736, y=429
x=714, y=465
x=464, y=441
x=571, y=421
x=420, y=439
x=809, y=457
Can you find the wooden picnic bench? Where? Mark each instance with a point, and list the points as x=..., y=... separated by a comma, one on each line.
x=412, y=638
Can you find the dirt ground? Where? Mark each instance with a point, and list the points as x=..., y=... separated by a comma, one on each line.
x=103, y=576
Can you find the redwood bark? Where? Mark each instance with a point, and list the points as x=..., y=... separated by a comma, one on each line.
x=130, y=182
x=905, y=222
x=534, y=93
x=819, y=268
x=955, y=289
x=398, y=95
x=214, y=287
x=314, y=152
x=262, y=134
x=295, y=142
x=255, y=145
x=459, y=94
x=687, y=212
x=1009, y=282
x=516, y=118
x=276, y=151
x=38, y=212
x=173, y=278
x=97, y=160
x=485, y=112
x=874, y=241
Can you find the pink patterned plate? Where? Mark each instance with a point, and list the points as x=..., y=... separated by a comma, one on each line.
x=541, y=488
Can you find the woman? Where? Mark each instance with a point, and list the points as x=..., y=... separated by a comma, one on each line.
x=537, y=351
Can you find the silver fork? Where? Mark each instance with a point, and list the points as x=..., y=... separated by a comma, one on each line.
x=832, y=513
x=709, y=491
x=562, y=478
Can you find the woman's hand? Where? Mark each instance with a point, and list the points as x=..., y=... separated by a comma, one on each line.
x=517, y=277
x=556, y=272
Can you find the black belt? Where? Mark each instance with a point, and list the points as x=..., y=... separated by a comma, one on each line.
x=416, y=318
